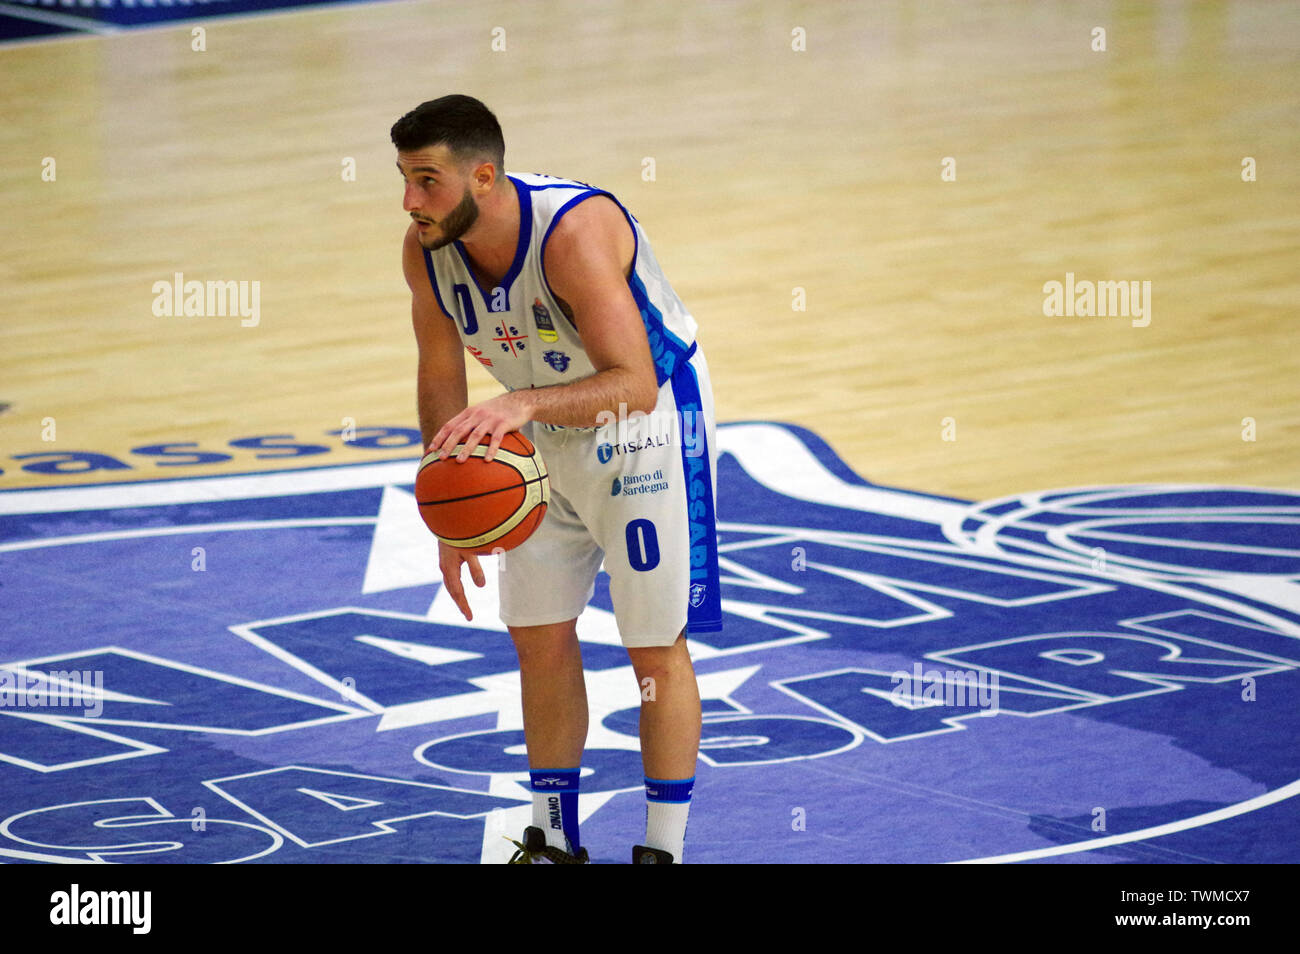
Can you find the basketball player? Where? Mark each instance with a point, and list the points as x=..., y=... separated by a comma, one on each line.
x=552, y=286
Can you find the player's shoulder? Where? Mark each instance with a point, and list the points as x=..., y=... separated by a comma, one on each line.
x=566, y=195
x=411, y=241
x=597, y=212
x=412, y=252
x=414, y=267
x=583, y=219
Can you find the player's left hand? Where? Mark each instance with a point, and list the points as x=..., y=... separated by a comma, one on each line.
x=491, y=420
x=450, y=562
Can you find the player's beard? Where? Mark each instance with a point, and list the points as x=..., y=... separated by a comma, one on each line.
x=457, y=223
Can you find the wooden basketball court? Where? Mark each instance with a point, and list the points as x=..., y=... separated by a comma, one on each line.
x=983, y=250
x=861, y=203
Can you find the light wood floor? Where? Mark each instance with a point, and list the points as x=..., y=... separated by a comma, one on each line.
x=775, y=169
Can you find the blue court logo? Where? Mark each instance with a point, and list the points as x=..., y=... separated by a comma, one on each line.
x=1047, y=654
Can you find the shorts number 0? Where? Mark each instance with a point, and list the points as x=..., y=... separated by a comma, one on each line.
x=642, y=544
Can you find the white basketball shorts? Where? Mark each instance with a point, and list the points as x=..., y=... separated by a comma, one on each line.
x=638, y=495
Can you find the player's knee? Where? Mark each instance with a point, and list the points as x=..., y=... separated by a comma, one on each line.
x=545, y=645
x=661, y=662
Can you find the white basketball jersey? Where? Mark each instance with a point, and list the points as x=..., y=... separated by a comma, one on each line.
x=518, y=330
x=661, y=541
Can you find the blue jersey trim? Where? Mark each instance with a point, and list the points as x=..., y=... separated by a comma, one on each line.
x=666, y=350
x=582, y=196
x=524, y=193
x=704, y=591
x=566, y=184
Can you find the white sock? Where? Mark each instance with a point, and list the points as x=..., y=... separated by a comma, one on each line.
x=665, y=827
x=668, y=802
x=546, y=816
x=555, y=805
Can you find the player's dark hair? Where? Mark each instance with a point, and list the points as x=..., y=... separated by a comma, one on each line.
x=461, y=123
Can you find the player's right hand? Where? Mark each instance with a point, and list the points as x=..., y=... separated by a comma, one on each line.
x=449, y=561
x=487, y=422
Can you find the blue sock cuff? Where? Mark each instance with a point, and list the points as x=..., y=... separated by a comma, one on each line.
x=553, y=780
x=669, y=790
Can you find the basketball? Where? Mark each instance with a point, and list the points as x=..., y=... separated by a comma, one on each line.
x=484, y=506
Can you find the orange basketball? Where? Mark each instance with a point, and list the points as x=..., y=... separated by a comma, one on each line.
x=484, y=506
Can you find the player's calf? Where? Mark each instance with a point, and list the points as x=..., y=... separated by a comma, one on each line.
x=670, y=740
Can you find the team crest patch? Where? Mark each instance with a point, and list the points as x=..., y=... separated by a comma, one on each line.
x=510, y=339
x=697, y=593
x=545, y=327
x=557, y=360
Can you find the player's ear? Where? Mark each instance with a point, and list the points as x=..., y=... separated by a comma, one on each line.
x=484, y=176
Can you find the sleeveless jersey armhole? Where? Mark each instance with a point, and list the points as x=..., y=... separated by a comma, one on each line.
x=582, y=197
